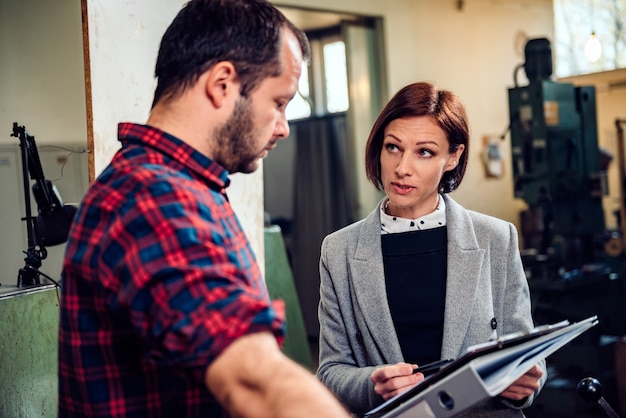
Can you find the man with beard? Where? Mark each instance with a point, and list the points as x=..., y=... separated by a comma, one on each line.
x=164, y=312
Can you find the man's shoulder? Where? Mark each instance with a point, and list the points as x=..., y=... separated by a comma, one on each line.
x=124, y=183
x=140, y=164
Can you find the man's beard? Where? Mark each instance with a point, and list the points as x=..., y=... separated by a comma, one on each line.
x=236, y=143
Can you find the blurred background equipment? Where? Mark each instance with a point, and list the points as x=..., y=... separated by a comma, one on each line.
x=51, y=225
x=574, y=265
x=590, y=390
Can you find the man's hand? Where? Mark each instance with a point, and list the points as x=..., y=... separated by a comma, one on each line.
x=524, y=386
x=391, y=380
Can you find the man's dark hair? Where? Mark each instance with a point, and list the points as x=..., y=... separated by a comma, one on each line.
x=246, y=33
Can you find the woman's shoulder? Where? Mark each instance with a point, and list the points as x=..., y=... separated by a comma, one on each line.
x=484, y=226
x=476, y=217
x=483, y=218
x=368, y=226
x=347, y=233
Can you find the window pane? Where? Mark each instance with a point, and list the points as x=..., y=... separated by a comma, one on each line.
x=303, y=84
x=336, y=77
x=299, y=107
x=574, y=23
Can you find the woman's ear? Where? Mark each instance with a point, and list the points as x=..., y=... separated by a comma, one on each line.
x=460, y=151
x=221, y=83
x=455, y=158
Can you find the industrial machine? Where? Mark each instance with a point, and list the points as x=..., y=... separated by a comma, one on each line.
x=575, y=266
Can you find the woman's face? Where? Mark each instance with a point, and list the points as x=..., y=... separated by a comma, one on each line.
x=413, y=159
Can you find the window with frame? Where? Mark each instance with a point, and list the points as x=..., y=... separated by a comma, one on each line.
x=323, y=87
x=590, y=36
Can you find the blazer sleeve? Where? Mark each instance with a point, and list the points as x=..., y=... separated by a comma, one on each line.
x=339, y=345
x=516, y=306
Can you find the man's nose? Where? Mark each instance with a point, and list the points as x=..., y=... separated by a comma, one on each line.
x=282, y=128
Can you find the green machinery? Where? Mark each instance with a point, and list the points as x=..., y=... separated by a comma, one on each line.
x=574, y=265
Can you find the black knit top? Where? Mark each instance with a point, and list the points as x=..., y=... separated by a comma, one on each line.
x=415, y=275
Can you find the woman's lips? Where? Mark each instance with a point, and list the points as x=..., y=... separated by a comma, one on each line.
x=402, y=188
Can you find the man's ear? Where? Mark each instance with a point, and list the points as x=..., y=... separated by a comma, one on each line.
x=221, y=83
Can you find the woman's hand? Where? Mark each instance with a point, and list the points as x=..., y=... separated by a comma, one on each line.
x=524, y=386
x=393, y=379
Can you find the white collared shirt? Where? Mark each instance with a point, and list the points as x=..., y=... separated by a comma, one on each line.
x=395, y=224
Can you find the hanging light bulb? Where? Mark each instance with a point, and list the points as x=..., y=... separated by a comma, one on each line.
x=593, y=48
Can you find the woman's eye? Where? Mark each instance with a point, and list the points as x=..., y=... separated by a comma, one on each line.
x=425, y=153
x=391, y=147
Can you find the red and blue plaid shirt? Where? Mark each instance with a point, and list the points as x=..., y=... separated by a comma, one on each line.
x=158, y=279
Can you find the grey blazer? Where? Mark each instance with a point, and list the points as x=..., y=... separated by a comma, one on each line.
x=485, y=280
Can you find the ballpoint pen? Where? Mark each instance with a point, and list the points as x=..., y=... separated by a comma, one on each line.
x=431, y=367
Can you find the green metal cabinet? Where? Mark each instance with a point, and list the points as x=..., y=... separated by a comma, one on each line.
x=29, y=323
x=280, y=284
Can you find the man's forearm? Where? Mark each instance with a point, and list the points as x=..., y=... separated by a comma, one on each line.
x=253, y=378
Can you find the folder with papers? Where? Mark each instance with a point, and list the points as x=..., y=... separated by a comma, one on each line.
x=483, y=371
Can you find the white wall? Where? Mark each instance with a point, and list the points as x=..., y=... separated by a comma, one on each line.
x=472, y=52
x=42, y=87
x=42, y=84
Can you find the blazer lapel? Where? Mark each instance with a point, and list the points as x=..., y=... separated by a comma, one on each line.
x=464, y=269
x=368, y=277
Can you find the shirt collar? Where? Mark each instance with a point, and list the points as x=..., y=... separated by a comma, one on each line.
x=176, y=149
x=394, y=224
